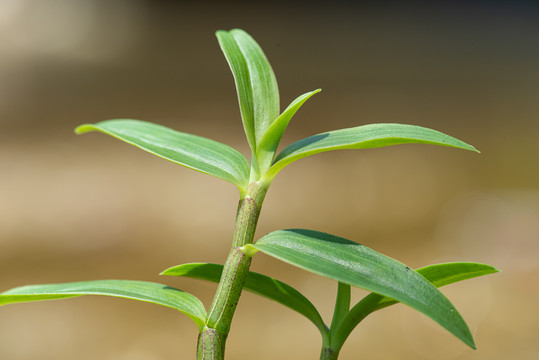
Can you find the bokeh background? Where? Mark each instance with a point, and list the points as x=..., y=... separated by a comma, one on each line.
x=89, y=207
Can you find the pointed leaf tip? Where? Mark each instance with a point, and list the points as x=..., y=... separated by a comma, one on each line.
x=267, y=146
x=84, y=128
x=438, y=275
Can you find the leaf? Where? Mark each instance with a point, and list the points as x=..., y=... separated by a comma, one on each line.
x=267, y=146
x=240, y=71
x=357, y=265
x=136, y=290
x=258, y=284
x=439, y=275
x=256, y=85
x=442, y=274
x=195, y=152
x=448, y=273
x=362, y=137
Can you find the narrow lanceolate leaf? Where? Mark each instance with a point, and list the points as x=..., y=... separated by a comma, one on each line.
x=256, y=85
x=258, y=284
x=136, y=290
x=351, y=263
x=362, y=137
x=438, y=275
x=269, y=142
x=195, y=152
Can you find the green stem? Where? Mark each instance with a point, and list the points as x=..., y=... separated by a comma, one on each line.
x=366, y=306
x=210, y=345
x=328, y=353
x=213, y=338
x=342, y=305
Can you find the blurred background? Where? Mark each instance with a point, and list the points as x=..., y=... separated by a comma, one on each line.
x=90, y=207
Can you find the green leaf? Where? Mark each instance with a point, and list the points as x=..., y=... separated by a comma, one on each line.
x=362, y=137
x=194, y=152
x=351, y=263
x=136, y=290
x=448, y=273
x=256, y=85
x=258, y=284
x=240, y=71
x=267, y=146
x=439, y=275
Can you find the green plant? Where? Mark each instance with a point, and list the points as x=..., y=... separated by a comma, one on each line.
x=347, y=262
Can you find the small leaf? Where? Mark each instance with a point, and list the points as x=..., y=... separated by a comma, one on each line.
x=357, y=265
x=439, y=275
x=267, y=146
x=195, y=152
x=255, y=82
x=258, y=284
x=136, y=290
x=362, y=137
x=448, y=273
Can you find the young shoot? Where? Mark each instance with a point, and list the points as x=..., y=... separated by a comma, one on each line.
x=345, y=261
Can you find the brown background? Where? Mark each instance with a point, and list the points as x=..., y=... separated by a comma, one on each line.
x=89, y=207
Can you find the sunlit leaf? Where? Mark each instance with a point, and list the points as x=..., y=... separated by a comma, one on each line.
x=195, y=152
x=256, y=85
x=267, y=146
x=357, y=265
x=136, y=290
x=240, y=70
x=362, y=137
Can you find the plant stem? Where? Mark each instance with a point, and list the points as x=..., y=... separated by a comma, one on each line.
x=328, y=354
x=342, y=304
x=211, y=341
x=210, y=345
